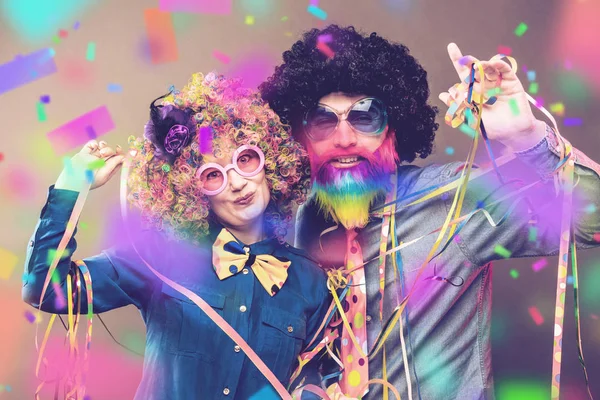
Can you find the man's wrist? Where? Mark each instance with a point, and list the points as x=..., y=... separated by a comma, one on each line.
x=527, y=140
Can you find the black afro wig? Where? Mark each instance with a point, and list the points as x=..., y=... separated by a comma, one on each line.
x=368, y=65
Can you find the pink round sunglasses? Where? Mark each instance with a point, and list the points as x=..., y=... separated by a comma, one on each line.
x=247, y=161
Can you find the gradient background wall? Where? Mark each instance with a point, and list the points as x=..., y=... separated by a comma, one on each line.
x=558, y=46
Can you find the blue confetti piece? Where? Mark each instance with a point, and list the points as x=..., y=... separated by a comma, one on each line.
x=45, y=99
x=266, y=393
x=317, y=12
x=570, y=280
x=531, y=76
x=114, y=88
x=449, y=150
x=590, y=208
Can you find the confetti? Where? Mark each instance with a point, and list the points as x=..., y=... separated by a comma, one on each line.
x=521, y=29
x=224, y=58
x=96, y=164
x=30, y=317
x=572, y=121
x=114, y=88
x=314, y=3
x=570, y=280
x=317, y=12
x=502, y=251
x=514, y=273
x=283, y=19
x=539, y=102
x=325, y=38
x=161, y=36
x=76, y=25
x=1, y=156
x=214, y=7
x=531, y=75
x=63, y=34
x=205, y=137
x=590, y=208
x=45, y=99
x=532, y=233
x=26, y=69
x=557, y=108
x=83, y=225
x=568, y=65
x=41, y=113
x=249, y=20
x=514, y=106
x=52, y=253
x=536, y=316
x=597, y=237
x=324, y=48
x=493, y=92
x=8, y=261
x=91, y=51
x=449, y=150
x=77, y=132
x=56, y=39
x=539, y=265
x=504, y=50
x=534, y=87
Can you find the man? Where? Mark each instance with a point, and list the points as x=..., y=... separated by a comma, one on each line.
x=359, y=105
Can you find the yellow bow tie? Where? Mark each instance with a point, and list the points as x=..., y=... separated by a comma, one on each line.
x=229, y=258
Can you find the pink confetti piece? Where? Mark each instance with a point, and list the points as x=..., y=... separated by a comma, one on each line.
x=80, y=130
x=325, y=49
x=539, y=265
x=224, y=58
x=214, y=7
x=597, y=237
x=536, y=316
x=504, y=50
x=63, y=33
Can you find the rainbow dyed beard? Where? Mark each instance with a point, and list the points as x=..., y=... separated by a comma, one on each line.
x=347, y=194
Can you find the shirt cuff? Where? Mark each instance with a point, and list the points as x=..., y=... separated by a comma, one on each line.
x=60, y=204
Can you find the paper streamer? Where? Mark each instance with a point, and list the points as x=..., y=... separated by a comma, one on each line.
x=8, y=261
x=215, y=7
x=161, y=36
x=81, y=130
x=26, y=69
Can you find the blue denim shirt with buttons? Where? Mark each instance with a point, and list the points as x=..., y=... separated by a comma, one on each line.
x=187, y=356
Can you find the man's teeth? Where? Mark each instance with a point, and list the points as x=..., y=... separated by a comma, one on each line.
x=347, y=160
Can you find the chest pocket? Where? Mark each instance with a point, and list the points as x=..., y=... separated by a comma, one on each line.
x=282, y=336
x=188, y=330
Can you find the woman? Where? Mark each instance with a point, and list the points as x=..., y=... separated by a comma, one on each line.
x=214, y=178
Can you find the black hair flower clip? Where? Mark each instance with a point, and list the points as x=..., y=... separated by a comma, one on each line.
x=170, y=129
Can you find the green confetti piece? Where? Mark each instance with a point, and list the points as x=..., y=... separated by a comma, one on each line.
x=514, y=106
x=52, y=254
x=283, y=19
x=533, y=87
x=91, y=51
x=532, y=234
x=96, y=164
x=521, y=29
x=493, y=92
x=56, y=39
x=502, y=251
x=41, y=113
x=466, y=129
x=514, y=273
x=83, y=225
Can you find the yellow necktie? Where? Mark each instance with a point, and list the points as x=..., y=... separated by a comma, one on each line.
x=230, y=257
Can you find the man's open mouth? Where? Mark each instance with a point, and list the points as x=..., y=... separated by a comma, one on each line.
x=347, y=160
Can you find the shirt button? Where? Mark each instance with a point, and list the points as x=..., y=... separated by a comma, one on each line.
x=246, y=249
x=290, y=329
x=243, y=308
x=226, y=391
x=236, y=348
x=245, y=271
x=369, y=318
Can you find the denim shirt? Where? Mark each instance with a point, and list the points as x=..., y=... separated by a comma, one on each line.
x=187, y=356
x=447, y=337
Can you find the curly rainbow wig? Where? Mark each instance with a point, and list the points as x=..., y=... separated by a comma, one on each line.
x=211, y=114
x=362, y=64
